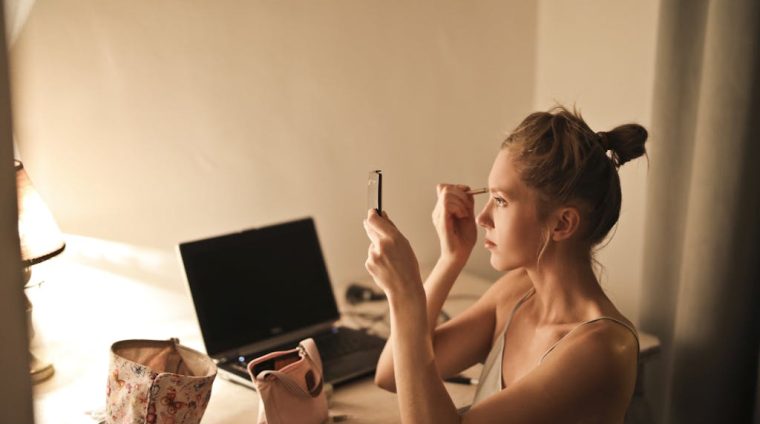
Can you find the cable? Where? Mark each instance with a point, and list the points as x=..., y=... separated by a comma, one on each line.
x=356, y=293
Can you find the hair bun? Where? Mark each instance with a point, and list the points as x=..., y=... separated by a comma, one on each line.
x=626, y=142
x=603, y=140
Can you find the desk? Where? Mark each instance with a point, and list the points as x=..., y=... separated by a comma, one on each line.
x=80, y=330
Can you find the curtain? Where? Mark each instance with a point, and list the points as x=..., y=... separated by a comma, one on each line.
x=16, y=388
x=16, y=12
x=701, y=287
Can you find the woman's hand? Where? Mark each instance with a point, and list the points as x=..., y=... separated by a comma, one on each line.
x=454, y=221
x=391, y=260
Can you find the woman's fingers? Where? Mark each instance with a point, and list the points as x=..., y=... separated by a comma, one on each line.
x=454, y=201
x=385, y=215
x=380, y=224
x=457, y=207
x=462, y=187
x=446, y=191
x=383, y=234
x=371, y=233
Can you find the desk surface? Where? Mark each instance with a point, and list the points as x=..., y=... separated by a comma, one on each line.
x=79, y=333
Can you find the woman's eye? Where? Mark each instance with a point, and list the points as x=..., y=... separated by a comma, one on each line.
x=500, y=201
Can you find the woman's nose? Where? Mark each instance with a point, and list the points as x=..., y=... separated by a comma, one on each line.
x=484, y=217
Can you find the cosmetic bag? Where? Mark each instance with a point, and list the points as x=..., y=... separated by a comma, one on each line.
x=157, y=382
x=290, y=385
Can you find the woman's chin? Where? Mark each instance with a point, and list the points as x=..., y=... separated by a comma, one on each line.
x=498, y=264
x=501, y=264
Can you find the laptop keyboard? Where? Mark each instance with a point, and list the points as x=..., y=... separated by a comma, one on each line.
x=335, y=348
x=339, y=341
x=344, y=341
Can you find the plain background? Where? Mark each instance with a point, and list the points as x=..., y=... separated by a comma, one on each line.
x=150, y=123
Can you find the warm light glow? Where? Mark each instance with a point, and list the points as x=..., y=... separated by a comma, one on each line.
x=40, y=236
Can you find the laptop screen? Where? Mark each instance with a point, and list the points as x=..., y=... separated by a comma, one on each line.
x=256, y=284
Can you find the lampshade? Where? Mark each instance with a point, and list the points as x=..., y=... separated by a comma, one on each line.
x=41, y=239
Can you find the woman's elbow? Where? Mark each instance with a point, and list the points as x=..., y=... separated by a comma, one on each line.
x=385, y=381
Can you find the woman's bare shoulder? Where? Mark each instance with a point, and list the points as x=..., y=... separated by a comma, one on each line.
x=606, y=344
x=609, y=337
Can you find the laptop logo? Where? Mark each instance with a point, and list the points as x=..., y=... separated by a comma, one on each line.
x=275, y=330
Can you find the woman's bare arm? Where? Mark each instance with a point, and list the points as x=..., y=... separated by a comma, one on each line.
x=421, y=394
x=476, y=325
x=454, y=221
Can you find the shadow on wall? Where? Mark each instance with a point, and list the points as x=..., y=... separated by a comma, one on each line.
x=160, y=268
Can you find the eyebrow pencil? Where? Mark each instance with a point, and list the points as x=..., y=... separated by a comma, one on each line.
x=477, y=190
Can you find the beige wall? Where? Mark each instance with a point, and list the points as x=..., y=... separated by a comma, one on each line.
x=150, y=123
x=600, y=56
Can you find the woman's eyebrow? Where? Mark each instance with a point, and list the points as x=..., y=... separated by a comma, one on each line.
x=507, y=193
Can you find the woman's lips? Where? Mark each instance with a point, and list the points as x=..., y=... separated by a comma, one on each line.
x=489, y=244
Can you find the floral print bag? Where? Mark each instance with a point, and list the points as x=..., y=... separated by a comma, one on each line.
x=157, y=381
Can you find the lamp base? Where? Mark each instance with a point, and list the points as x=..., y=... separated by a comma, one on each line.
x=39, y=370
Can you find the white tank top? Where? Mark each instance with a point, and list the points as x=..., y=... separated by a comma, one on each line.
x=490, y=381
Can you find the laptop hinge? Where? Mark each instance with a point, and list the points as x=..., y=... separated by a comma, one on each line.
x=293, y=336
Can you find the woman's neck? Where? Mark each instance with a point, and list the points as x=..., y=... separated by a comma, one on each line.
x=566, y=289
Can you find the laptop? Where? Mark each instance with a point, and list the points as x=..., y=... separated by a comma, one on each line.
x=265, y=289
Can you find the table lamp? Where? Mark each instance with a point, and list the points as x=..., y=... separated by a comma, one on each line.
x=41, y=239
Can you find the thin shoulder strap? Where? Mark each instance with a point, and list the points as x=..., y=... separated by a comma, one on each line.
x=517, y=305
x=633, y=330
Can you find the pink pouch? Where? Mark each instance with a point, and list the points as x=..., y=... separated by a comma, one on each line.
x=290, y=386
x=157, y=381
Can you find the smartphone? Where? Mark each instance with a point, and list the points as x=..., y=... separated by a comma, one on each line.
x=375, y=191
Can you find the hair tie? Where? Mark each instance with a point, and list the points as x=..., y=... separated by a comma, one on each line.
x=604, y=141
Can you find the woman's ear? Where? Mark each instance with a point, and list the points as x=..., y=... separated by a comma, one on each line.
x=567, y=222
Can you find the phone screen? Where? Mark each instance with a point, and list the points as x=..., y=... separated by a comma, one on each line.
x=375, y=191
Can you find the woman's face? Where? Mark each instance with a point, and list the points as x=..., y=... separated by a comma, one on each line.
x=510, y=217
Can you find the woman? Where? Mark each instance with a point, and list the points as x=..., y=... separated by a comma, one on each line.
x=555, y=347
